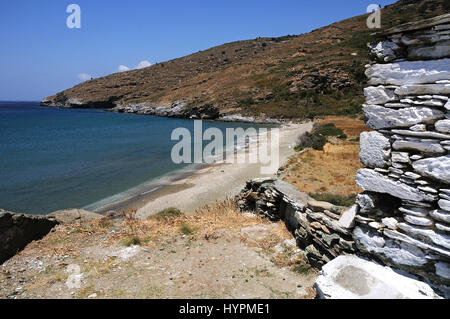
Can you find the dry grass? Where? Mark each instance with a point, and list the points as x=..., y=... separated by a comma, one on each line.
x=352, y=127
x=202, y=224
x=68, y=239
x=332, y=170
x=231, y=73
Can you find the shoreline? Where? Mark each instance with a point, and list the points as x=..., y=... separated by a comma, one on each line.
x=208, y=183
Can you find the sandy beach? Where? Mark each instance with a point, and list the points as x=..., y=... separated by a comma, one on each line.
x=214, y=182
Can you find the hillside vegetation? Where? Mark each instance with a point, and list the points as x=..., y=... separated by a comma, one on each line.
x=295, y=76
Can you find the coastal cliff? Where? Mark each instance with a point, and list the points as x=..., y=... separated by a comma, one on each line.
x=313, y=74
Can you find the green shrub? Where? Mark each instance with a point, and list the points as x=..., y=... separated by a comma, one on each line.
x=335, y=199
x=312, y=140
x=187, y=229
x=168, y=213
x=328, y=129
x=303, y=268
x=132, y=241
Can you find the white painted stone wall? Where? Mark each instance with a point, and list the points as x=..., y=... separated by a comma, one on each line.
x=404, y=212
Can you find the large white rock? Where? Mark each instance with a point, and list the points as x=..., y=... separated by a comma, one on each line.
x=420, y=89
x=350, y=277
x=443, y=126
x=375, y=149
x=347, y=219
x=400, y=157
x=379, y=117
x=444, y=204
x=384, y=51
x=407, y=72
x=370, y=180
x=379, y=95
x=390, y=222
x=425, y=147
x=435, y=167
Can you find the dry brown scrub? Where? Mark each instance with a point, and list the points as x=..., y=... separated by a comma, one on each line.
x=332, y=170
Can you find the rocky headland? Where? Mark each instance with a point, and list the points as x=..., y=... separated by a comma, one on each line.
x=284, y=78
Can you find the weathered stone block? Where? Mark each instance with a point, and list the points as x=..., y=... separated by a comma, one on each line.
x=441, y=215
x=419, y=221
x=400, y=157
x=444, y=204
x=425, y=147
x=379, y=95
x=437, y=168
x=369, y=180
x=408, y=72
x=420, y=89
x=375, y=149
x=371, y=242
x=435, y=51
x=380, y=117
x=347, y=219
x=428, y=235
x=385, y=51
x=443, y=126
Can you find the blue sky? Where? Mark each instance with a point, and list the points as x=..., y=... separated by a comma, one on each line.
x=40, y=56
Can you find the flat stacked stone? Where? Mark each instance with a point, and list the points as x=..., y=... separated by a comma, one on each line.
x=322, y=230
x=404, y=213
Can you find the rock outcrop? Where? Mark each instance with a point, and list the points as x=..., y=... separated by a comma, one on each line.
x=404, y=213
x=17, y=230
x=70, y=216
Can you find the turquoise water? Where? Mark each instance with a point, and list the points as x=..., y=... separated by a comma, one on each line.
x=53, y=159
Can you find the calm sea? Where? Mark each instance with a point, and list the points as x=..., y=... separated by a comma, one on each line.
x=53, y=159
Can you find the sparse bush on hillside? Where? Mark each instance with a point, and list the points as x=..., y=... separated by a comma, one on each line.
x=328, y=129
x=168, y=213
x=312, y=140
x=335, y=199
x=318, y=138
x=186, y=229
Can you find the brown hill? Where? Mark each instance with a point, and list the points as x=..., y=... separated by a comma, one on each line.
x=318, y=73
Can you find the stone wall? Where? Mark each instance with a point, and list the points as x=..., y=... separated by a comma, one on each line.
x=403, y=215
x=17, y=230
x=321, y=229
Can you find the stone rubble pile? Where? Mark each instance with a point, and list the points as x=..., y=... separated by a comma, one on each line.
x=321, y=229
x=403, y=215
